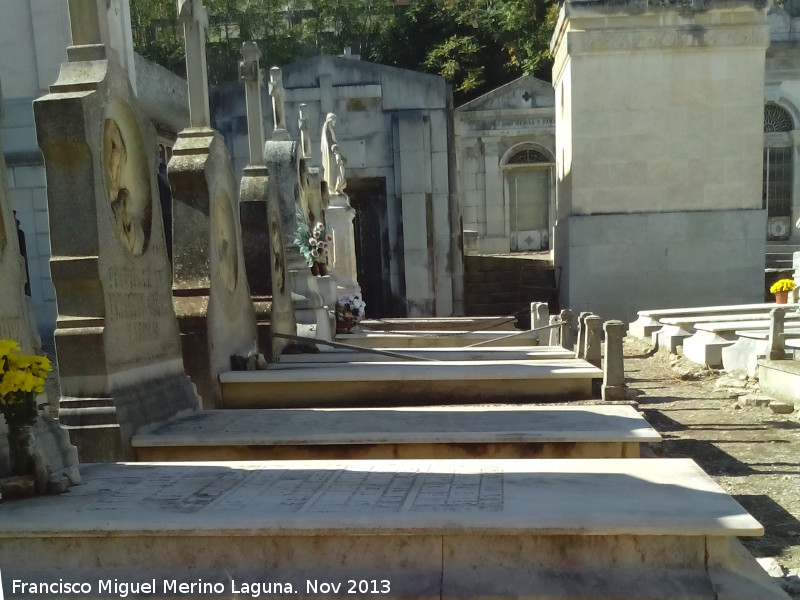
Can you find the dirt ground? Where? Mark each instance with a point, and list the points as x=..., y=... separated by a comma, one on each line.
x=752, y=452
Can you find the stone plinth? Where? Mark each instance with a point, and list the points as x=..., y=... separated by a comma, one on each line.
x=659, y=142
x=210, y=290
x=431, y=529
x=340, y=221
x=117, y=341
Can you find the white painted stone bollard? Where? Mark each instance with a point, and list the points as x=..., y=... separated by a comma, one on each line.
x=554, y=331
x=580, y=346
x=566, y=329
x=592, y=351
x=776, y=324
x=614, y=368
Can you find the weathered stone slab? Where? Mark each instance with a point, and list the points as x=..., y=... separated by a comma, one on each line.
x=116, y=333
x=780, y=379
x=367, y=384
x=499, y=353
x=424, y=432
x=431, y=529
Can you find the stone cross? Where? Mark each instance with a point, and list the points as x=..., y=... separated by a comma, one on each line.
x=302, y=125
x=278, y=94
x=593, y=325
x=777, y=317
x=250, y=73
x=192, y=14
x=614, y=368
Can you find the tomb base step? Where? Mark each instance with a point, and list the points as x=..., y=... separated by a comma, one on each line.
x=524, y=529
x=462, y=432
x=780, y=379
x=404, y=382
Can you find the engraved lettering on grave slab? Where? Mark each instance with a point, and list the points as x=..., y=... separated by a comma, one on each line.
x=292, y=491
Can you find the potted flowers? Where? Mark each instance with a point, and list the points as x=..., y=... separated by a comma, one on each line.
x=781, y=289
x=21, y=379
x=313, y=243
x=349, y=311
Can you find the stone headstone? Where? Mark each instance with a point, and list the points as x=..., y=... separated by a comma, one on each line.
x=541, y=318
x=210, y=288
x=117, y=341
x=593, y=341
x=289, y=189
x=57, y=456
x=255, y=177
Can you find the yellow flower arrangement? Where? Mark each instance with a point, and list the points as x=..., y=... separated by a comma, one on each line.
x=782, y=285
x=21, y=378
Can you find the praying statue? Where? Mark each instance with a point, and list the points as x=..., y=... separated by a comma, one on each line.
x=333, y=161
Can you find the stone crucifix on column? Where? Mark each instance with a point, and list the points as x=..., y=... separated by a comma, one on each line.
x=194, y=18
x=278, y=94
x=250, y=74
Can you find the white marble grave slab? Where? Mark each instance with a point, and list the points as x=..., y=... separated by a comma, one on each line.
x=433, y=424
x=553, y=497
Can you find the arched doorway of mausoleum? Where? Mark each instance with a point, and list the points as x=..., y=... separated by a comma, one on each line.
x=528, y=186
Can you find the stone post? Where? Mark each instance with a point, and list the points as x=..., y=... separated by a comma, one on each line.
x=278, y=94
x=250, y=74
x=554, y=330
x=614, y=368
x=777, y=317
x=566, y=329
x=580, y=346
x=540, y=316
x=592, y=349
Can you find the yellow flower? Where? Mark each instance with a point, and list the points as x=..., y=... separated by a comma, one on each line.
x=20, y=381
x=7, y=346
x=782, y=285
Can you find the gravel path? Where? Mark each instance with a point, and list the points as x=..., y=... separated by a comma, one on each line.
x=748, y=449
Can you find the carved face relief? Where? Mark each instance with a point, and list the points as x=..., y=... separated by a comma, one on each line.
x=224, y=242
x=127, y=178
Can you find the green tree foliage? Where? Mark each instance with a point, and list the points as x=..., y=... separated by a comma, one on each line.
x=475, y=44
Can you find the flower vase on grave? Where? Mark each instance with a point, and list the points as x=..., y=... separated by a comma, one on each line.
x=22, y=456
x=781, y=297
x=319, y=269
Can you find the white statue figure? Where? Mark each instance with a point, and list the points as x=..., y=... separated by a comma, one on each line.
x=333, y=161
